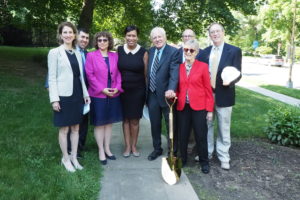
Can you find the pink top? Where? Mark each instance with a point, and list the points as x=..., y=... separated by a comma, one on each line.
x=96, y=72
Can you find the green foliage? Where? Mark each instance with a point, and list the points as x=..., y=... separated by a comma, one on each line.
x=114, y=16
x=297, y=53
x=284, y=126
x=249, y=113
x=175, y=16
x=272, y=25
x=263, y=50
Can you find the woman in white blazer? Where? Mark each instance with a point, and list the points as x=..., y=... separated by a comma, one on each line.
x=67, y=91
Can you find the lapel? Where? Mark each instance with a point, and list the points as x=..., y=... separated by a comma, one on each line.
x=111, y=60
x=64, y=56
x=163, y=56
x=208, y=53
x=151, y=56
x=225, y=54
x=183, y=73
x=193, y=70
x=99, y=59
x=79, y=59
x=181, y=54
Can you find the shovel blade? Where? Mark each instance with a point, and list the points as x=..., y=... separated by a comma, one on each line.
x=167, y=173
x=175, y=164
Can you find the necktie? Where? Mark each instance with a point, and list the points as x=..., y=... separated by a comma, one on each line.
x=153, y=72
x=214, y=66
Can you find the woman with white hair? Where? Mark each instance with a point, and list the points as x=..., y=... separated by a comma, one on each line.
x=195, y=103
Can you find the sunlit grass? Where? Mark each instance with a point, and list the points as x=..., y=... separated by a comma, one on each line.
x=29, y=151
x=250, y=113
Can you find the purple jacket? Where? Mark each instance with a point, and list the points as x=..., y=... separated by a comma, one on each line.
x=96, y=72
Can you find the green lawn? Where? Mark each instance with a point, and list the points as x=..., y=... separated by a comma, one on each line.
x=23, y=53
x=250, y=112
x=29, y=151
x=283, y=90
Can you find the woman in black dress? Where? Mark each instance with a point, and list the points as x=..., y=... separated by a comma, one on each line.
x=132, y=65
x=67, y=92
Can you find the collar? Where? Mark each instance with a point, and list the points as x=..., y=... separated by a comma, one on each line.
x=161, y=49
x=220, y=46
x=136, y=49
x=79, y=49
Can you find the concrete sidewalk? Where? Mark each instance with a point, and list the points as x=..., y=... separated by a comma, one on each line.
x=137, y=178
x=280, y=97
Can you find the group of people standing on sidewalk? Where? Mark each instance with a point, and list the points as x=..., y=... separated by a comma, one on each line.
x=116, y=85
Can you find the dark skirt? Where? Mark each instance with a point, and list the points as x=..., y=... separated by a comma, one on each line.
x=70, y=113
x=133, y=101
x=105, y=111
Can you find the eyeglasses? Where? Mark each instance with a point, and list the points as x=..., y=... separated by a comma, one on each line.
x=215, y=31
x=187, y=36
x=102, y=40
x=189, y=50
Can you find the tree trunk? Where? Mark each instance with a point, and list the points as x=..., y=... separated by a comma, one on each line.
x=86, y=16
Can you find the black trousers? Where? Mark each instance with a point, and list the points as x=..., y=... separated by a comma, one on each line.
x=156, y=112
x=188, y=119
x=83, y=130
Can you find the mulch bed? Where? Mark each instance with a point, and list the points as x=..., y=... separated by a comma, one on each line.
x=259, y=170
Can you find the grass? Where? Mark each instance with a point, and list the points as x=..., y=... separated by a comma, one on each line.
x=250, y=113
x=24, y=53
x=283, y=90
x=29, y=151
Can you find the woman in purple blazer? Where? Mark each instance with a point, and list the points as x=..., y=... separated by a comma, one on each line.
x=104, y=81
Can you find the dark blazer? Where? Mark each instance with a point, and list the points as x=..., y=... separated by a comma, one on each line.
x=231, y=56
x=180, y=54
x=167, y=72
x=197, y=84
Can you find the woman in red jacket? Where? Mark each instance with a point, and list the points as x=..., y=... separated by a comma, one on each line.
x=195, y=103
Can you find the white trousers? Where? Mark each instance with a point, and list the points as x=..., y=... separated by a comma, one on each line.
x=223, y=117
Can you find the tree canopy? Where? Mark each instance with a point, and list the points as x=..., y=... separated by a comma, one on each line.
x=39, y=18
x=271, y=27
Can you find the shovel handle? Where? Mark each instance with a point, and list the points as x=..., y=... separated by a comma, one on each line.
x=171, y=116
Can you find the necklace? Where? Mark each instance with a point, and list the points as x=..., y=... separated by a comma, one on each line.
x=71, y=52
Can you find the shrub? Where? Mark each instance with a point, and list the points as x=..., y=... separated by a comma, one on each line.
x=284, y=126
x=263, y=50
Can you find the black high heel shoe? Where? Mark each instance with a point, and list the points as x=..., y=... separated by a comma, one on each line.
x=112, y=157
x=103, y=162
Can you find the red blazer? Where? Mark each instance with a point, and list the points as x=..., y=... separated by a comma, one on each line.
x=197, y=84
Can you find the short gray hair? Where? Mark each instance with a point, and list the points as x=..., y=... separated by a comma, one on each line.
x=160, y=30
x=192, y=43
x=216, y=23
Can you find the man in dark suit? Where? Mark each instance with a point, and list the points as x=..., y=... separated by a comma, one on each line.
x=82, y=43
x=219, y=56
x=162, y=80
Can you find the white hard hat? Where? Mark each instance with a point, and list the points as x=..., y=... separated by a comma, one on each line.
x=229, y=74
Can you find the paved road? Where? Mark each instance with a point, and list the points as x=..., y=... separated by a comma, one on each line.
x=259, y=74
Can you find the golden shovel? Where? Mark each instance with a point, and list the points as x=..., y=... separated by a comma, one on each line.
x=171, y=166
